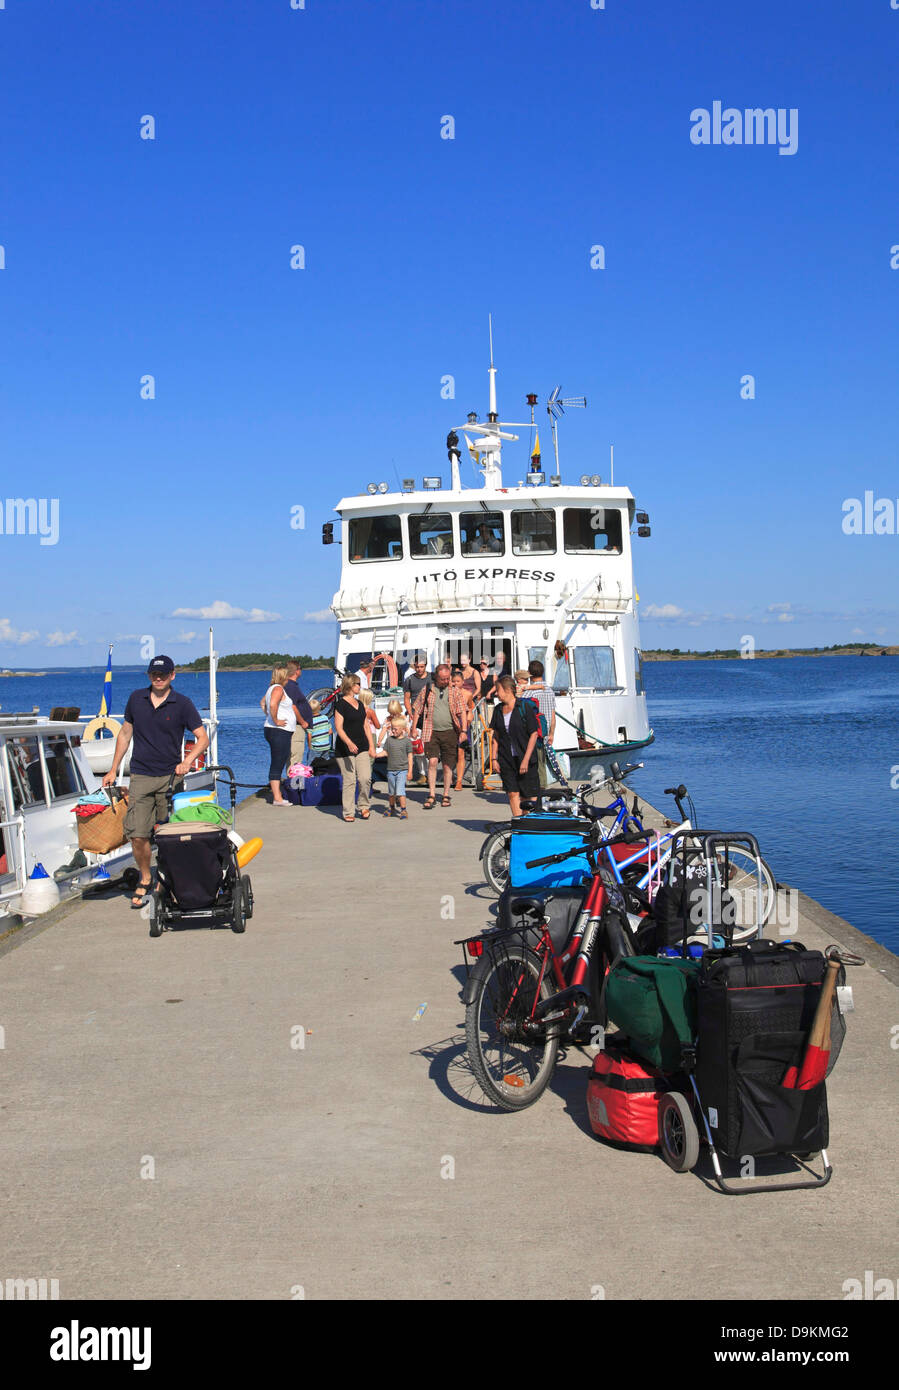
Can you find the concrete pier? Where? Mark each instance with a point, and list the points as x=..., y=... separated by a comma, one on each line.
x=246, y=1117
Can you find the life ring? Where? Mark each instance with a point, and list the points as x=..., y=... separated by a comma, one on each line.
x=393, y=675
x=102, y=721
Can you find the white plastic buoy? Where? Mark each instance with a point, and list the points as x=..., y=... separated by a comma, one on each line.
x=40, y=893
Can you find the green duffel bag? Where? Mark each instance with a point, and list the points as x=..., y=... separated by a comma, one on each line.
x=205, y=812
x=653, y=1001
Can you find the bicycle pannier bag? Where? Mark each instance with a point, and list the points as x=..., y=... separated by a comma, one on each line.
x=541, y=836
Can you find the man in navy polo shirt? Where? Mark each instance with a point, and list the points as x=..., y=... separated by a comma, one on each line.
x=156, y=717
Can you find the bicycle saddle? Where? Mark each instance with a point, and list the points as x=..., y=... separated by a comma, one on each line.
x=535, y=908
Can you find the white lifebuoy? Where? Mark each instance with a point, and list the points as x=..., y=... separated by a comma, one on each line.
x=102, y=721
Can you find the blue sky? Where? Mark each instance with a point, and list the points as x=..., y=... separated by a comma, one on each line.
x=280, y=388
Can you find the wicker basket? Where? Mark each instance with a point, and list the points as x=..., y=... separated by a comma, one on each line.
x=105, y=831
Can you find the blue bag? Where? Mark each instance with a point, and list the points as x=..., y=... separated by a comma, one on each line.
x=543, y=835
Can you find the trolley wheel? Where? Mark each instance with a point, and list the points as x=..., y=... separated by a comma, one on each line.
x=130, y=879
x=154, y=905
x=678, y=1134
x=239, y=909
x=247, y=896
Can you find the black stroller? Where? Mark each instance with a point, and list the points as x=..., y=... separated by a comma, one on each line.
x=198, y=876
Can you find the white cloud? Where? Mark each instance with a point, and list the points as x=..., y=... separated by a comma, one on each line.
x=323, y=615
x=779, y=607
x=184, y=637
x=785, y=617
x=666, y=610
x=8, y=633
x=64, y=639
x=860, y=632
x=221, y=611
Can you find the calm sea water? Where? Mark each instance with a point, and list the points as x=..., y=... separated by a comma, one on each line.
x=801, y=752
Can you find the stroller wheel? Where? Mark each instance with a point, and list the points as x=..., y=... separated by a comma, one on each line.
x=248, y=896
x=678, y=1134
x=154, y=905
x=239, y=909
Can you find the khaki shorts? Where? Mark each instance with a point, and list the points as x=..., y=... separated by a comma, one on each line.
x=443, y=745
x=147, y=804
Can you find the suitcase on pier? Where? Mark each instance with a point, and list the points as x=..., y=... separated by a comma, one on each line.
x=322, y=791
x=623, y=1096
x=755, y=1004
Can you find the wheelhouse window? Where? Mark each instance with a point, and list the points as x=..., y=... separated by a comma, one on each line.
x=482, y=533
x=431, y=535
x=591, y=529
x=375, y=538
x=25, y=773
x=62, y=770
x=595, y=667
x=639, y=687
x=533, y=533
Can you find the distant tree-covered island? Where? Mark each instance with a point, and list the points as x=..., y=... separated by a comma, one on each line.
x=758, y=653
x=257, y=661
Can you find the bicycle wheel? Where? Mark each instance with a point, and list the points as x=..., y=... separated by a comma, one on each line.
x=496, y=860
x=511, y=1060
x=737, y=876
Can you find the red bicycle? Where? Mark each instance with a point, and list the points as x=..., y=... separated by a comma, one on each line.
x=540, y=979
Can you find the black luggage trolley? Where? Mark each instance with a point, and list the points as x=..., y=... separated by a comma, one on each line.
x=198, y=876
x=755, y=1004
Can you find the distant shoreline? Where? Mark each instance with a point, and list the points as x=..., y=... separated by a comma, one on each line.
x=768, y=655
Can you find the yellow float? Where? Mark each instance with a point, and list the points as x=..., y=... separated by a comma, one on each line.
x=248, y=851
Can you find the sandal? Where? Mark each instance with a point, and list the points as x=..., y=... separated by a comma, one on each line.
x=446, y=801
x=141, y=893
x=364, y=815
x=403, y=815
x=349, y=819
x=430, y=803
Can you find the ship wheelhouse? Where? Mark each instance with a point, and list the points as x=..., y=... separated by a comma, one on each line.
x=535, y=571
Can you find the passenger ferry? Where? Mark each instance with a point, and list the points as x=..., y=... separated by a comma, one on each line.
x=529, y=566
x=47, y=763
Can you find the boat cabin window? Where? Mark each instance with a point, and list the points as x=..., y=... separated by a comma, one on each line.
x=639, y=687
x=591, y=529
x=482, y=533
x=562, y=676
x=431, y=534
x=533, y=533
x=25, y=773
x=62, y=770
x=375, y=538
x=595, y=667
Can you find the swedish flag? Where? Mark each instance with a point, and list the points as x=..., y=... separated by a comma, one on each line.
x=106, y=702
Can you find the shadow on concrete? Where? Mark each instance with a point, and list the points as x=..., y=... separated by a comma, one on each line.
x=481, y=826
x=452, y=1075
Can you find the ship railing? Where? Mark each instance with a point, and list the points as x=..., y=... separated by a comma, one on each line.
x=18, y=824
x=361, y=606
x=480, y=737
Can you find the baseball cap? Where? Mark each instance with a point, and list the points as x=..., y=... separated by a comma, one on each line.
x=161, y=666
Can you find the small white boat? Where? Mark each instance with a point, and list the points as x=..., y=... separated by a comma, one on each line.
x=45, y=767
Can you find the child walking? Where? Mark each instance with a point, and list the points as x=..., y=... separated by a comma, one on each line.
x=399, y=764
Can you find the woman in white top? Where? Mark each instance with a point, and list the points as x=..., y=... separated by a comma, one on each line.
x=280, y=723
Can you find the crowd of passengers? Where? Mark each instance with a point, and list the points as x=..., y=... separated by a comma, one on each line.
x=429, y=728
